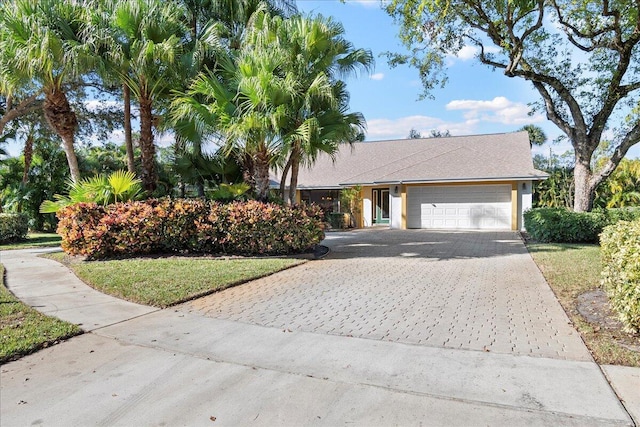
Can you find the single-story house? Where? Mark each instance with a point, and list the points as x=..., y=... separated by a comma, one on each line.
x=465, y=182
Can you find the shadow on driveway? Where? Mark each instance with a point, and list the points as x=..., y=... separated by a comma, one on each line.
x=429, y=244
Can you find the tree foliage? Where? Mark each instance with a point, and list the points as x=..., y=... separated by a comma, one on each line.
x=581, y=56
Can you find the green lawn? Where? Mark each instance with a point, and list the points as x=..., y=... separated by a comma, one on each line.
x=571, y=270
x=35, y=240
x=162, y=282
x=24, y=330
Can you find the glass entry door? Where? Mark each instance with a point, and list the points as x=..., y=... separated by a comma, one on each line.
x=381, y=206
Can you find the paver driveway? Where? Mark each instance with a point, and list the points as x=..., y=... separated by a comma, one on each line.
x=463, y=290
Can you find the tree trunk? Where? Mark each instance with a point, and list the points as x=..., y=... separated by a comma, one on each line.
x=295, y=167
x=128, y=138
x=147, y=146
x=63, y=121
x=283, y=179
x=585, y=190
x=28, y=156
x=261, y=175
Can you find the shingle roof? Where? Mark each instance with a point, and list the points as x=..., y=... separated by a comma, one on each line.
x=504, y=156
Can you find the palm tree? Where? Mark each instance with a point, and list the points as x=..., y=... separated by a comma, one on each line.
x=318, y=56
x=536, y=134
x=44, y=41
x=119, y=186
x=213, y=27
x=247, y=100
x=149, y=36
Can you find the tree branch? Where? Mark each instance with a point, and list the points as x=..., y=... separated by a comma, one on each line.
x=572, y=31
x=552, y=112
x=630, y=139
x=26, y=106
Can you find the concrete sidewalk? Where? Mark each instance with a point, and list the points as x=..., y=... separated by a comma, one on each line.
x=54, y=290
x=142, y=366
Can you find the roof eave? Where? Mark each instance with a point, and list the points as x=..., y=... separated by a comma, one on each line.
x=450, y=180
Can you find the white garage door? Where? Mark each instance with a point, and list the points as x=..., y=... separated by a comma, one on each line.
x=459, y=207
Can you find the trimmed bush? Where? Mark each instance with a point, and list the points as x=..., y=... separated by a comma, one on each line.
x=620, y=249
x=188, y=226
x=13, y=227
x=560, y=225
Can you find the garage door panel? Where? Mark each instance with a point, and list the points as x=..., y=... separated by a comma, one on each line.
x=459, y=207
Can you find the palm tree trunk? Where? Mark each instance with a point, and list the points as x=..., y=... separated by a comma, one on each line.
x=28, y=156
x=295, y=167
x=261, y=175
x=128, y=138
x=63, y=121
x=283, y=179
x=147, y=146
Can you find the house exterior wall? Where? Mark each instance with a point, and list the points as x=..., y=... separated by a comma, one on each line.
x=395, y=207
x=367, y=207
x=521, y=200
x=525, y=197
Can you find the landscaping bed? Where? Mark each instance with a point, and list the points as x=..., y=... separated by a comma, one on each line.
x=573, y=271
x=24, y=330
x=163, y=281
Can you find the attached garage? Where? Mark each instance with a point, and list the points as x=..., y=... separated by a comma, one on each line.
x=466, y=182
x=460, y=207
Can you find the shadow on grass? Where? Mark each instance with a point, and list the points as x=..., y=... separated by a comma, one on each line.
x=35, y=240
x=534, y=246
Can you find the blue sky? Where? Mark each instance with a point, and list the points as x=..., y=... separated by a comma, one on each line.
x=476, y=99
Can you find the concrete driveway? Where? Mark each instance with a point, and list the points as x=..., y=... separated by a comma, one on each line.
x=463, y=290
x=393, y=328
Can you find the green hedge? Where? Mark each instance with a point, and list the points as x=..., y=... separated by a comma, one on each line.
x=620, y=249
x=564, y=226
x=13, y=227
x=188, y=226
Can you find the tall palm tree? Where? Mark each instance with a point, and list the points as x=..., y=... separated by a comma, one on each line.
x=149, y=35
x=247, y=100
x=213, y=26
x=318, y=56
x=44, y=41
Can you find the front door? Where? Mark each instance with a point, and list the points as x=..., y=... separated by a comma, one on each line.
x=381, y=206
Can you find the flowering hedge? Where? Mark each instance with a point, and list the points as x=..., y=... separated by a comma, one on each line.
x=188, y=226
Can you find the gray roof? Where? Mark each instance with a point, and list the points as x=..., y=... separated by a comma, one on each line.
x=494, y=157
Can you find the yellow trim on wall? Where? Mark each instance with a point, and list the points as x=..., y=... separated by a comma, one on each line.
x=514, y=206
x=403, y=195
x=360, y=221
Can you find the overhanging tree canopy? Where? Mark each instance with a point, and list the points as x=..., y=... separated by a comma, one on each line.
x=581, y=56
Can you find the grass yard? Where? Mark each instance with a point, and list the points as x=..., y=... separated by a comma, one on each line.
x=24, y=330
x=162, y=282
x=35, y=240
x=571, y=270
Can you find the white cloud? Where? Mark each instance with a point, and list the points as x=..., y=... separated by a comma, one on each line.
x=377, y=76
x=498, y=110
x=382, y=129
x=367, y=3
x=98, y=104
x=468, y=52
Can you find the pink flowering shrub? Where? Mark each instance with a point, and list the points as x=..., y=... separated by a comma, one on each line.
x=188, y=226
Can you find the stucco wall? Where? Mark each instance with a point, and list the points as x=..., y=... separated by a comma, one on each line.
x=367, y=207
x=395, y=206
x=525, y=198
